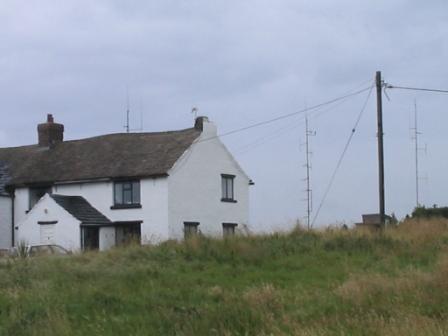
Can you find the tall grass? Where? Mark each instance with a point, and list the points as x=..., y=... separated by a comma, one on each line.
x=329, y=282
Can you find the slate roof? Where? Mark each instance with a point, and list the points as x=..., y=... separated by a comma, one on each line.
x=81, y=209
x=107, y=156
x=4, y=178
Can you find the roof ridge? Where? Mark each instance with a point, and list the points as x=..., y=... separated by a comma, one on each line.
x=110, y=155
x=109, y=134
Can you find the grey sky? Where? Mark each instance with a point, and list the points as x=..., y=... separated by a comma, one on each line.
x=241, y=62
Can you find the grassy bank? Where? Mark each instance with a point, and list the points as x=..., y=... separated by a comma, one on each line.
x=303, y=283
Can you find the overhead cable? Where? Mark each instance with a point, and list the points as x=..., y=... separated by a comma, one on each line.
x=285, y=116
x=389, y=86
x=341, y=158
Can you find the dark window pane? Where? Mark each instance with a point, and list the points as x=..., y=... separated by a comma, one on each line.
x=228, y=229
x=90, y=238
x=230, y=188
x=128, y=233
x=227, y=187
x=190, y=229
x=118, y=193
x=127, y=196
x=224, y=187
x=136, y=192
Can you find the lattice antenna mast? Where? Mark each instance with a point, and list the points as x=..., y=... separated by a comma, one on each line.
x=128, y=110
x=127, y=126
x=417, y=149
x=308, y=190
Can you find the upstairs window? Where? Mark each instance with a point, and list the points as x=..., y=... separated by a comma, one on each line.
x=227, y=188
x=126, y=194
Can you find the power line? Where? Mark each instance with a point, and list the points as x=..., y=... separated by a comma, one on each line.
x=283, y=130
x=269, y=121
x=389, y=86
x=341, y=158
x=266, y=138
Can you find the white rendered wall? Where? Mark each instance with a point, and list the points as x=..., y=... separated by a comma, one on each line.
x=21, y=205
x=66, y=230
x=5, y=222
x=153, y=197
x=195, y=188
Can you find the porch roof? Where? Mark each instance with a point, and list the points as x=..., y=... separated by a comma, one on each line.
x=81, y=209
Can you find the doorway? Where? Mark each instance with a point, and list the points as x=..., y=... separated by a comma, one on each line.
x=90, y=238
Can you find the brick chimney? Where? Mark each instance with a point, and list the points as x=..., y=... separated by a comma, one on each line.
x=50, y=133
x=199, y=123
x=204, y=125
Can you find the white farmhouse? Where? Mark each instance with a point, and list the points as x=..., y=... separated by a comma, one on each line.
x=6, y=232
x=99, y=192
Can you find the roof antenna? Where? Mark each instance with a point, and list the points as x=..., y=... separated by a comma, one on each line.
x=195, y=110
x=127, y=110
x=127, y=127
x=141, y=114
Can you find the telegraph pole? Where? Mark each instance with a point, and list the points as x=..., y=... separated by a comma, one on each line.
x=379, y=102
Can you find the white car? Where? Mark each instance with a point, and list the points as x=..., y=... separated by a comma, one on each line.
x=39, y=250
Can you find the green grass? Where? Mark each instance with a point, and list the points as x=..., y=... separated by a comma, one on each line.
x=302, y=283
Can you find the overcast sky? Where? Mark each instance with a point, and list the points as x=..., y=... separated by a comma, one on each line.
x=241, y=62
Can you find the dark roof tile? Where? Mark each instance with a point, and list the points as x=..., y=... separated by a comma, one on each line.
x=81, y=209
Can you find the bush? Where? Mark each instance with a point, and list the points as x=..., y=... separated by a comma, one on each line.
x=423, y=212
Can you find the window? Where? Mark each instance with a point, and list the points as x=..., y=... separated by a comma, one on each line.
x=227, y=188
x=228, y=229
x=35, y=194
x=126, y=195
x=128, y=232
x=190, y=229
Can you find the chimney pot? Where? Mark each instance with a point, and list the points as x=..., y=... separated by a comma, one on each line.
x=50, y=118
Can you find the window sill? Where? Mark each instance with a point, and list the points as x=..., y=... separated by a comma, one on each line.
x=126, y=206
x=228, y=200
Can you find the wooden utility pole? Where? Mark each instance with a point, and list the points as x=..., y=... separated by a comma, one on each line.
x=379, y=102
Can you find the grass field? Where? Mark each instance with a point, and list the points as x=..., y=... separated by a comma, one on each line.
x=331, y=282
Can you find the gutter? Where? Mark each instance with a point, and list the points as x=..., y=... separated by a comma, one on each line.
x=13, y=197
x=92, y=180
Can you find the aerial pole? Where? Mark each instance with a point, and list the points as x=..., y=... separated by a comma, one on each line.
x=415, y=136
x=416, y=133
x=308, y=190
x=127, y=111
x=379, y=103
